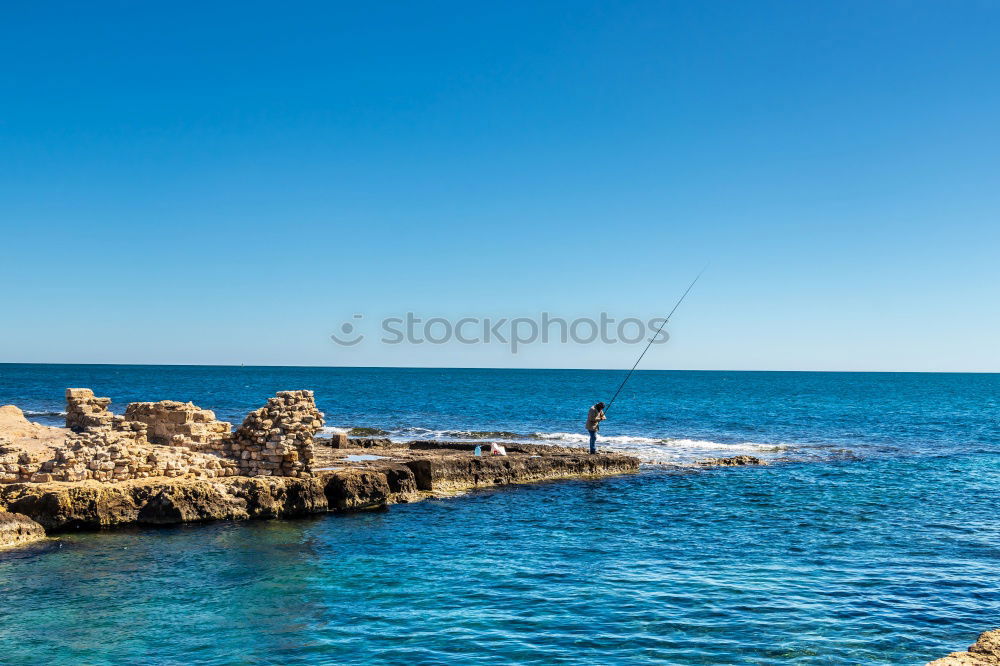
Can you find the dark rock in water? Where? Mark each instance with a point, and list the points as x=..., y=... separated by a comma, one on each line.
x=373, y=443
x=367, y=432
x=17, y=529
x=984, y=652
x=734, y=461
x=493, y=434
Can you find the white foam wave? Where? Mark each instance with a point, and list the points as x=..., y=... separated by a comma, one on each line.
x=649, y=449
x=665, y=449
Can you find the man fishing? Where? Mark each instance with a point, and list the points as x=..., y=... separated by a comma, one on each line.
x=594, y=418
x=596, y=413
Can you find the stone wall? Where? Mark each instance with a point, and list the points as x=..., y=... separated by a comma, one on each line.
x=17, y=465
x=277, y=439
x=109, y=455
x=181, y=424
x=85, y=412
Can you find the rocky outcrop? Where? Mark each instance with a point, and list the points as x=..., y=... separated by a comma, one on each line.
x=60, y=506
x=172, y=462
x=402, y=481
x=17, y=529
x=357, y=490
x=984, y=652
x=464, y=472
x=91, y=505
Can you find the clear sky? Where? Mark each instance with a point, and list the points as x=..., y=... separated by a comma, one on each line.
x=228, y=182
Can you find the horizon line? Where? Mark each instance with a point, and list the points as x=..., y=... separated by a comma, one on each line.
x=422, y=367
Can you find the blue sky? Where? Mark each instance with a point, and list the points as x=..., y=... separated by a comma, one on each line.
x=228, y=182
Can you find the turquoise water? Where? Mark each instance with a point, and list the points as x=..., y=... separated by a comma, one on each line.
x=873, y=540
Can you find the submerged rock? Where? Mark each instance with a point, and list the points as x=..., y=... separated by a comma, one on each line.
x=367, y=432
x=733, y=461
x=17, y=529
x=984, y=652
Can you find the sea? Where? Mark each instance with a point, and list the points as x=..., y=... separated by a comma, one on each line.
x=871, y=537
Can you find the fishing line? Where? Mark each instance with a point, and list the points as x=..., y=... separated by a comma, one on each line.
x=650, y=344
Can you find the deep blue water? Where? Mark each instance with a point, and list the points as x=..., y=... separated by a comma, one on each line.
x=872, y=539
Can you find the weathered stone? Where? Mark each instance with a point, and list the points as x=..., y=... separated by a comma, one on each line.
x=984, y=652
x=339, y=440
x=460, y=473
x=400, y=478
x=90, y=505
x=279, y=436
x=17, y=529
x=355, y=490
x=174, y=423
x=86, y=412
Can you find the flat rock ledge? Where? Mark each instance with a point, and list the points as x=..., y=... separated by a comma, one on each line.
x=984, y=652
x=89, y=505
x=17, y=529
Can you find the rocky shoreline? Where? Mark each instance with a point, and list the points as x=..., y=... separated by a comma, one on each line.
x=169, y=462
x=351, y=486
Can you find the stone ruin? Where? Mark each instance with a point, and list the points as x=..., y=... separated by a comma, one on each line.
x=172, y=439
x=106, y=455
x=277, y=439
x=85, y=412
x=173, y=423
x=15, y=464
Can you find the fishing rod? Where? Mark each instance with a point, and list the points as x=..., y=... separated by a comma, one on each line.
x=677, y=305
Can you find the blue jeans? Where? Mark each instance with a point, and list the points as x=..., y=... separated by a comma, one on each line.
x=593, y=441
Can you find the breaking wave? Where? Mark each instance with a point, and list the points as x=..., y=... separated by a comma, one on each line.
x=649, y=449
x=665, y=449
